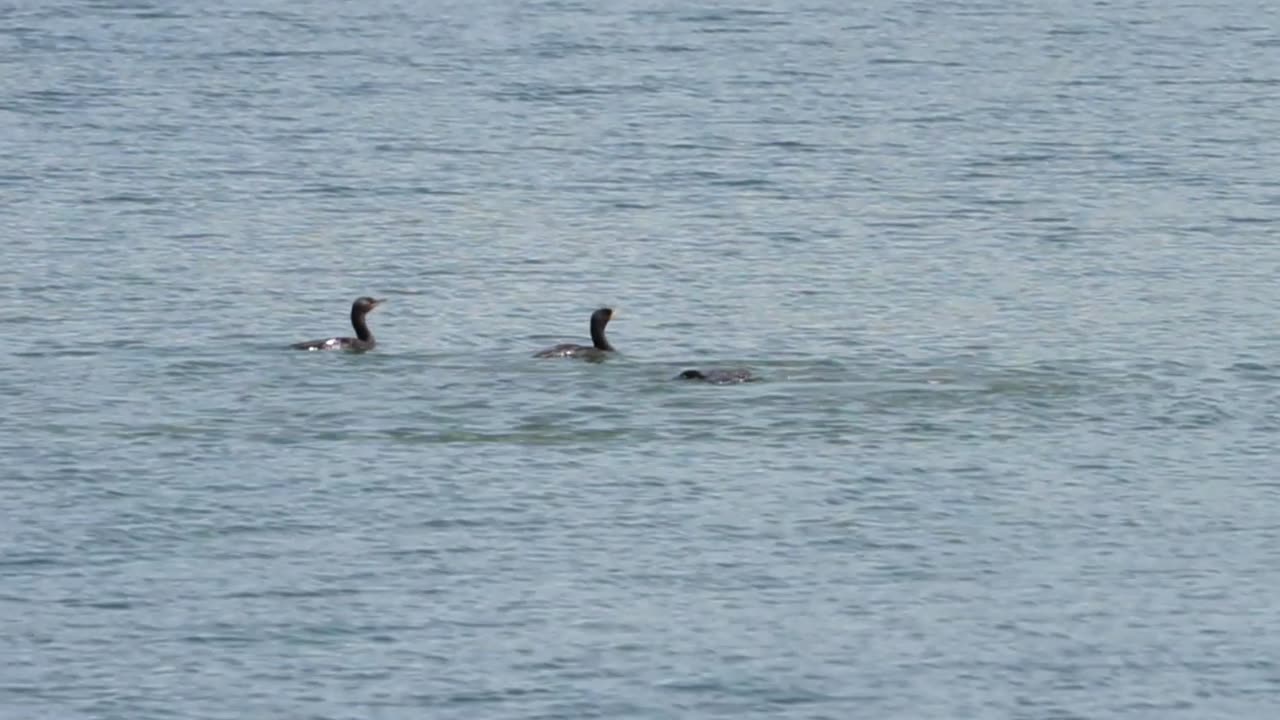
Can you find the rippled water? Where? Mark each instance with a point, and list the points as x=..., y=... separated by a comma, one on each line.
x=1007, y=270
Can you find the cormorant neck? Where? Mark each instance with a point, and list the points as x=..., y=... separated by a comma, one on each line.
x=597, y=336
x=362, y=330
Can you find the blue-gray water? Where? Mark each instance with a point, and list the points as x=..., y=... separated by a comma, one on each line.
x=1008, y=270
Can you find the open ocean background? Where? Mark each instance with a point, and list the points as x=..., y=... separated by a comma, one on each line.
x=1008, y=271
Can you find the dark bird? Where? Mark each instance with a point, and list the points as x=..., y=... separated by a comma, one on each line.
x=599, y=348
x=718, y=377
x=363, y=339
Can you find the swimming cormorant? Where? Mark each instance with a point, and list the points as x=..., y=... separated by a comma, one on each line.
x=718, y=377
x=599, y=348
x=363, y=339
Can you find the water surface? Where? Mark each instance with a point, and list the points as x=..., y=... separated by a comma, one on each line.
x=1007, y=271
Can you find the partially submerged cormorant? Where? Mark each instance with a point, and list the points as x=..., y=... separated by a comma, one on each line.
x=363, y=339
x=718, y=377
x=599, y=348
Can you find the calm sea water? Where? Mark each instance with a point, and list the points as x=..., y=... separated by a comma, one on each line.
x=1008, y=272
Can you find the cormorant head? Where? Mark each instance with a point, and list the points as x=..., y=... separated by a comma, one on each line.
x=365, y=304
x=601, y=316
